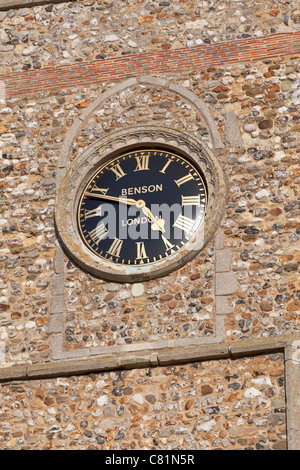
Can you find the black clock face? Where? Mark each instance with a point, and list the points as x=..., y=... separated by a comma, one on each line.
x=141, y=207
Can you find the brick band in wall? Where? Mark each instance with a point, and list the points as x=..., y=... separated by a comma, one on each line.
x=171, y=61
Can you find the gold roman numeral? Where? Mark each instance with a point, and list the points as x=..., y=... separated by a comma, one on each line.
x=92, y=213
x=167, y=243
x=98, y=233
x=190, y=200
x=142, y=163
x=141, y=251
x=116, y=247
x=118, y=171
x=99, y=190
x=184, y=179
x=166, y=166
x=184, y=223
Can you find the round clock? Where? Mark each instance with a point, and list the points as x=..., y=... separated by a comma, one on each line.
x=141, y=207
x=138, y=203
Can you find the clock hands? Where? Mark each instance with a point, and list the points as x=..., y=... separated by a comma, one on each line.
x=140, y=204
x=157, y=224
x=124, y=200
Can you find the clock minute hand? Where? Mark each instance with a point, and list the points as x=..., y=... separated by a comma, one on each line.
x=124, y=200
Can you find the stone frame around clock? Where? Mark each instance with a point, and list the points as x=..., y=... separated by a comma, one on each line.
x=83, y=167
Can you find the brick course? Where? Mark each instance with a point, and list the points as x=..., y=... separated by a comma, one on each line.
x=180, y=60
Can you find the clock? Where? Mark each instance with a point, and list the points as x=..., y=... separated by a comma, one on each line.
x=141, y=207
x=139, y=203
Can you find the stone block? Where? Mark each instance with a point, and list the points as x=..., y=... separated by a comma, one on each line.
x=56, y=324
x=219, y=241
x=222, y=306
x=58, y=285
x=252, y=347
x=204, y=352
x=137, y=361
x=6, y=4
x=57, y=304
x=69, y=367
x=292, y=372
x=13, y=373
x=155, y=81
x=294, y=439
x=220, y=328
x=59, y=261
x=223, y=260
x=232, y=130
x=56, y=346
x=226, y=283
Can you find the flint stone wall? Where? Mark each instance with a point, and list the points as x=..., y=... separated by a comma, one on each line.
x=226, y=405
x=243, y=289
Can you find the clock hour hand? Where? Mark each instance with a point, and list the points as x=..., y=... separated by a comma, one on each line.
x=124, y=200
x=140, y=204
x=158, y=224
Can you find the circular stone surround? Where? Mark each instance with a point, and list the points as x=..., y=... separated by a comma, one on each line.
x=71, y=184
